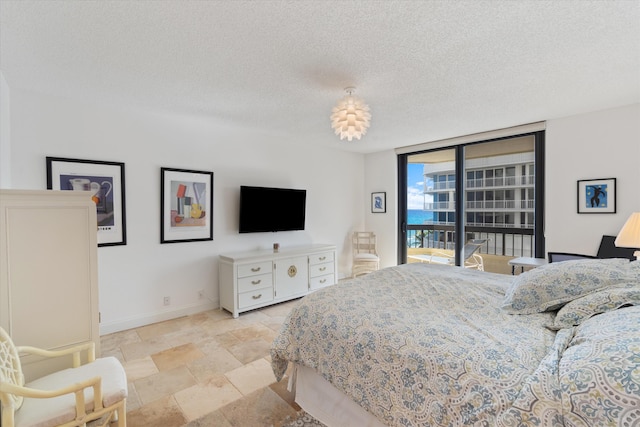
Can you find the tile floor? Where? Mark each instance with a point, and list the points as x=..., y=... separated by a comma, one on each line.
x=204, y=370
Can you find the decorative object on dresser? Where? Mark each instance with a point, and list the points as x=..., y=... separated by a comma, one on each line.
x=597, y=196
x=186, y=205
x=84, y=392
x=105, y=181
x=48, y=272
x=250, y=280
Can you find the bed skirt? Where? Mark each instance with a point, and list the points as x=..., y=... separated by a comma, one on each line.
x=325, y=403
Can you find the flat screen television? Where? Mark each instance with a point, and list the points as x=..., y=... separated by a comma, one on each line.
x=271, y=209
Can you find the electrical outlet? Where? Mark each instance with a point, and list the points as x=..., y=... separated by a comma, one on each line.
x=201, y=294
x=167, y=300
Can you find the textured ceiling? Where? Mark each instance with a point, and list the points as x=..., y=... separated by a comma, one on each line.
x=428, y=69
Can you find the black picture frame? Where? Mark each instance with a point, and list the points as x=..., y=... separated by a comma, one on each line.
x=379, y=202
x=597, y=196
x=106, y=180
x=186, y=205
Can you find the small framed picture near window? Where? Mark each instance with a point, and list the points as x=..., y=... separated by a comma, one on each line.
x=597, y=196
x=379, y=202
x=186, y=211
x=105, y=180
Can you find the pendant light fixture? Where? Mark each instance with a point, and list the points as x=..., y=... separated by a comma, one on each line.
x=350, y=118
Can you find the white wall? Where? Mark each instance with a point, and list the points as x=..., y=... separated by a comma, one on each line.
x=381, y=174
x=603, y=144
x=5, y=134
x=133, y=279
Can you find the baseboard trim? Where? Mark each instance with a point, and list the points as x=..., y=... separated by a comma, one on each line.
x=149, y=318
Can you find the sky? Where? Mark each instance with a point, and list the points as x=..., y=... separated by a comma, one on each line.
x=415, y=186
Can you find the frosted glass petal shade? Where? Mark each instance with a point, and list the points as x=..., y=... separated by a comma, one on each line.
x=350, y=118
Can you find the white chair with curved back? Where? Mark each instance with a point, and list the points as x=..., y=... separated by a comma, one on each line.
x=365, y=253
x=93, y=392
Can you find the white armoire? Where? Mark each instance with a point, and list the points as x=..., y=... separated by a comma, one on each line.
x=48, y=272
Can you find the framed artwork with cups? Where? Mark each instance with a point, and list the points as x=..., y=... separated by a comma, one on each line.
x=105, y=180
x=186, y=205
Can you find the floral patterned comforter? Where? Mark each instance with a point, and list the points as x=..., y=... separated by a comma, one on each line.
x=418, y=344
x=428, y=345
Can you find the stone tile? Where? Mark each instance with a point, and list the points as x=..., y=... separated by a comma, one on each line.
x=140, y=368
x=261, y=408
x=215, y=363
x=252, y=376
x=163, y=412
x=115, y=340
x=254, y=331
x=176, y=356
x=274, y=322
x=142, y=349
x=202, y=398
x=205, y=371
x=164, y=384
x=248, y=351
x=161, y=328
x=133, y=401
x=227, y=339
x=213, y=419
x=280, y=388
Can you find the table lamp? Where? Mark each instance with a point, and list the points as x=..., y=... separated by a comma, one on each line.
x=629, y=236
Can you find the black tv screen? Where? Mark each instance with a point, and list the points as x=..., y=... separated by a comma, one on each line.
x=271, y=209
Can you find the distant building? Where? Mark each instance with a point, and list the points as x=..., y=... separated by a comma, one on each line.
x=499, y=193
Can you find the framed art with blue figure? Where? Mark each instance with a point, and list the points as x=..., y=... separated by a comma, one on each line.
x=597, y=196
x=379, y=202
x=105, y=181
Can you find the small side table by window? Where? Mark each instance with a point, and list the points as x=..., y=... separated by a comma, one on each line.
x=523, y=262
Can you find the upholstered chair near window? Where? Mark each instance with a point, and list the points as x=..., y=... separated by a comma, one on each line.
x=96, y=390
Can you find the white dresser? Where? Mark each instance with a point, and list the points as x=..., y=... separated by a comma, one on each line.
x=250, y=280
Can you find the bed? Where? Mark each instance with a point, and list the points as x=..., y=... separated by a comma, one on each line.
x=431, y=345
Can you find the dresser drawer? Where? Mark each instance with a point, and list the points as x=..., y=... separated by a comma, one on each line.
x=259, y=296
x=321, y=269
x=320, y=258
x=321, y=281
x=254, y=269
x=251, y=283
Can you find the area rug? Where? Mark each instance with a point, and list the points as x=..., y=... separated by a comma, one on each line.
x=304, y=420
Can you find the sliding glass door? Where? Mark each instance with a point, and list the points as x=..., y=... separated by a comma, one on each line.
x=477, y=205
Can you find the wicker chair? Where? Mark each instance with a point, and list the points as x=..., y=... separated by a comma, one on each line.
x=365, y=255
x=94, y=392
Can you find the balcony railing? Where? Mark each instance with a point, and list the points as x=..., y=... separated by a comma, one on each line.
x=503, y=241
x=481, y=204
x=504, y=181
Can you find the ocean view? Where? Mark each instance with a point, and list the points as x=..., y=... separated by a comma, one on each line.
x=418, y=217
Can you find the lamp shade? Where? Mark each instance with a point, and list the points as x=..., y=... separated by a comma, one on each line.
x=350, y=118
x=629, y=236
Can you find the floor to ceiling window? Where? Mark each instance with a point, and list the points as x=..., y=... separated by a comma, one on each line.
x=478, y=204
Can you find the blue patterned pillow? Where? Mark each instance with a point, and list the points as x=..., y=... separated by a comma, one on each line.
x=581, y=309
x=599, y=371
x=550, y=286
